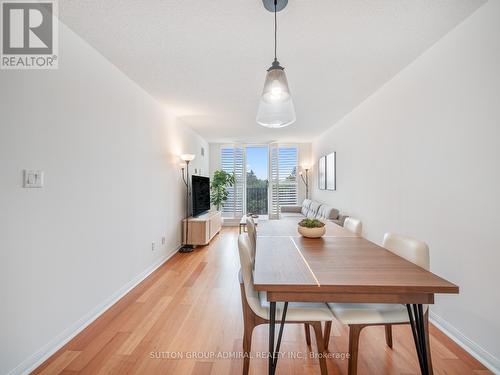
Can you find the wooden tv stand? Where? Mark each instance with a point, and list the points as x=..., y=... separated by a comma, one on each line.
x=202, y=228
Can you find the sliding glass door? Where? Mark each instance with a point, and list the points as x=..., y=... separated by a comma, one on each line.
x=257, y=182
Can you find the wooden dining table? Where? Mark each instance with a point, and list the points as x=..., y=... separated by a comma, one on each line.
x=339, y=267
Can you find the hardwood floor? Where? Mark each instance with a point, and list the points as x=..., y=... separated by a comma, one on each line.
x=190, y=308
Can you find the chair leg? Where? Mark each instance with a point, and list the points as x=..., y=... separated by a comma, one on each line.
x=427, y=341
x=247, y=340
x=248, y=326
x=354, y=332
x=308, y=334
x=388, y=335
x=320, y=343
x=328, y=330
x=247, y=345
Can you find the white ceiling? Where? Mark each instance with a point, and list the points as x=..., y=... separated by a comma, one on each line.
x=206, y=59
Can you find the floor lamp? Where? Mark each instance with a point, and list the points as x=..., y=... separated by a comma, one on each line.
x=186, y=248
x=305, y=180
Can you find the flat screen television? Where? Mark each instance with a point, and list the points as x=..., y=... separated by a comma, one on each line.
x=200, y=187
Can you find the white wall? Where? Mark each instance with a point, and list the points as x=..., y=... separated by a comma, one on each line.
x=305, y=159
x=112, y=187
x=421, y=157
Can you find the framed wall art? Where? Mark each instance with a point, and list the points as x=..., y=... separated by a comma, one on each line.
x=331, y=177
x=322, y=173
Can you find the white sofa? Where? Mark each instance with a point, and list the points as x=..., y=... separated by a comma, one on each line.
x=313, y=210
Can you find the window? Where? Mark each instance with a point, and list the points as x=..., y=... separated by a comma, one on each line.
x=283, y=184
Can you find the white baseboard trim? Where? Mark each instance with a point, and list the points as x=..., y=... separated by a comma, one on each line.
x=40, y=356
x=482, y=355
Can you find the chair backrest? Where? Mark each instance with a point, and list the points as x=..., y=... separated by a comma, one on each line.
x=252, y=237
x=313, y=210
x=305, y=206
x=246, y=273
x=409, y=248
x=327, y=213
x=353, y=225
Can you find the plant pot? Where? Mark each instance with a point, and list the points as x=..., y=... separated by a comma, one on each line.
x=312, y=232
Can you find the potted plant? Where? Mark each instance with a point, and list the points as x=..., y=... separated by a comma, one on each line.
x=311, y=228
x=218, y=187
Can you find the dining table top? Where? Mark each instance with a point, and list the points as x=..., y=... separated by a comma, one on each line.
x=339, y=262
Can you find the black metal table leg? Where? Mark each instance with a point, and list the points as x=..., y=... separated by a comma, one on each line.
x=274, y=352
x=418, y=330
x=272, y=318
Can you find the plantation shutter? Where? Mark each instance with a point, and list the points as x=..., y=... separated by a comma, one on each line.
x=232, y=161
x=283, y=176
x=274, y=181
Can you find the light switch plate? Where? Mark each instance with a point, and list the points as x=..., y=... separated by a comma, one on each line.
x=33, y=179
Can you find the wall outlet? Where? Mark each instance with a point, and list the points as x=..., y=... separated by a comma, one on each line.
x=153, y=246
x=32, y=179
x=163, y=240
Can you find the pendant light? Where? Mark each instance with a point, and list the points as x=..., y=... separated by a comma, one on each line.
x=276, y=108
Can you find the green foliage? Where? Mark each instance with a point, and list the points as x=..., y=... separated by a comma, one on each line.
x=311, y=223
x=220, y=182
x=254, y=181
x=256, y=194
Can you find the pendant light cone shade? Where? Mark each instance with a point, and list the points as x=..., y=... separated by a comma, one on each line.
x=276, y=108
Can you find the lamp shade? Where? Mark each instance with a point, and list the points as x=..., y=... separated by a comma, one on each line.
x=188, y=157
x=276, y=108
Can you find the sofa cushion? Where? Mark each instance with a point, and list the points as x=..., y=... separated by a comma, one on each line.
x=313, y=209
x=327, y=213
x=305, y=206
x=340, y=220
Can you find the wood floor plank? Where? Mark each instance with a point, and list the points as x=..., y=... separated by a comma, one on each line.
x=138, y=334
x=192, y=304
x=96, y=364
x=202, y=368
x=60, y=363
x=195, y=274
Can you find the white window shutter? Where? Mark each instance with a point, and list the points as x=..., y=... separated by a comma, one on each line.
x=232, y=161
x=283, y=176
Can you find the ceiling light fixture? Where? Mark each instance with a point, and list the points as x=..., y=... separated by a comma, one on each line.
x=276, y=108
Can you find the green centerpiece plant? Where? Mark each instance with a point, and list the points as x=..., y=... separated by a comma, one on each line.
x=311, y=223
x=218, y=187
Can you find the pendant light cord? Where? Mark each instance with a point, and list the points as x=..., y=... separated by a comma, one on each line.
x=275, y=29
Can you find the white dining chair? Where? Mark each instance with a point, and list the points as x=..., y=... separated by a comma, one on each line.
x=252, y=236
x=358, y=316
x=353, y=225
x=256, y=308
